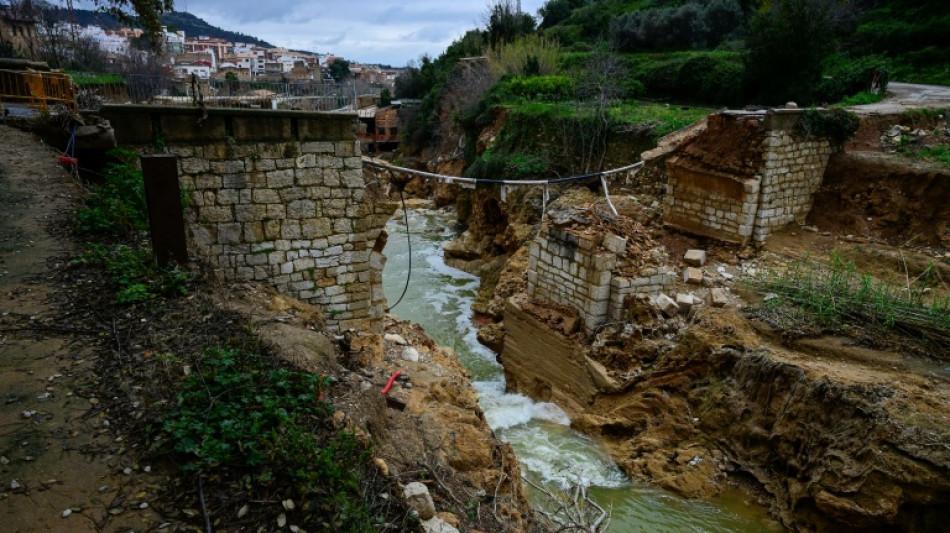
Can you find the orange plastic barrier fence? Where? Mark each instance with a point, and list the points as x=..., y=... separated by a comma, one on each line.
x=39, y=90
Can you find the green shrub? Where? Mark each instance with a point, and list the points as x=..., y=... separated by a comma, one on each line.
x=540, y=87
x=706, y=77
x=846, y=77
x=116, y=208
x=835, y=124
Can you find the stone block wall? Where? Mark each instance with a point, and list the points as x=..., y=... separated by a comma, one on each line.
x=276, y=197
x=791, y=176
x=711, y=203
x=569, y=269
x=651, y=281
x=746, y=176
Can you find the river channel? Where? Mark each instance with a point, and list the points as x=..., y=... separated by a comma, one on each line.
x=439, y=299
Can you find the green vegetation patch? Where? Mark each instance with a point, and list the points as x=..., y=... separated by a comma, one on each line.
x=837, y=296
x=93, y=78
x=134, y=274
x=116, y=208
x=271, y=426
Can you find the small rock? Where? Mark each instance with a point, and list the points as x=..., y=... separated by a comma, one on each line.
x=418, y=498
x=288, y=504
x=104, y=488
x=14, y=485
x=143, y=505
x=411, y=354
x=28, y=414
x=398, y=339
x=696, y=258
x=437, y=525
x=718, y=297
x=282, y=520
x=242, y=512
x=382, y=466
x=127, y=471
x=67, y=512
x=4, y=461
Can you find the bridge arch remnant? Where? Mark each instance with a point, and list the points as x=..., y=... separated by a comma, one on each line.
x=277, y=197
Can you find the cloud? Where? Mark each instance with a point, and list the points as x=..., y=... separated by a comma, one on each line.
x=372, y=31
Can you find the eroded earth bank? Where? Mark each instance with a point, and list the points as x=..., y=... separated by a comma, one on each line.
x=702, y=376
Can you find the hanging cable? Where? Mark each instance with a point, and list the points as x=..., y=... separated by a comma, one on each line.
x=405, y=214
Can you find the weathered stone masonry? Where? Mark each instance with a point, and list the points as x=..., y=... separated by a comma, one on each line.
x=577, y=270
x=277, y=197
x=747, y=175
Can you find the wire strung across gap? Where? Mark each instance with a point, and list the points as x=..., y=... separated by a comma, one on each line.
x=405, y=214
x=556, y=181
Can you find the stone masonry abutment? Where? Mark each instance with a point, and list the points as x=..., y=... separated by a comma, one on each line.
x=277, y=197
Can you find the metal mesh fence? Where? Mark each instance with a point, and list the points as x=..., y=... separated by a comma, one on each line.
x=305, y=95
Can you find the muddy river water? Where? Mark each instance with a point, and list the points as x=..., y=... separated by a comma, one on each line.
x=439, y=298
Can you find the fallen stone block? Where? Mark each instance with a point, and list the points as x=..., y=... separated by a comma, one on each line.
x=398, y=339
x=684, y=302
x=418, y=499
x=696, y=258
x=718, y=297
x=666, y=305
x=693, y=275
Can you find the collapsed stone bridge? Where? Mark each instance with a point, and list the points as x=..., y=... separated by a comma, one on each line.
x=277, y=197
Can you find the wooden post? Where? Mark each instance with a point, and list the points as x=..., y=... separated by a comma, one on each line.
x=163, y=197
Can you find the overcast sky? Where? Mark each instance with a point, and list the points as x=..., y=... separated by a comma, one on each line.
x=370, y=31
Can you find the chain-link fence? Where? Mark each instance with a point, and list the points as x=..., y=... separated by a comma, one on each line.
x=304, y=95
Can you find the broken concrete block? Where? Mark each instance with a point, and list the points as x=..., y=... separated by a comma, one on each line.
x=696, y=258
x=666, y=305
x=693, y=275
x=684, y=302
x=418, y=498
x=718, y=297
x=601, y=376
x=615, y=243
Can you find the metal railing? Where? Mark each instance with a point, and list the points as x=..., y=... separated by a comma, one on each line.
x=306, y=95
x=40, y=91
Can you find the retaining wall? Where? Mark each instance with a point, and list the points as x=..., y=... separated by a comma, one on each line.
x=277, y=197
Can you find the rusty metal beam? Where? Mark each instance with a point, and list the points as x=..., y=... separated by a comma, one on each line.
x=165, y=220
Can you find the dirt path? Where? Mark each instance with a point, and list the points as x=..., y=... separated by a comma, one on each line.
x=58, y=471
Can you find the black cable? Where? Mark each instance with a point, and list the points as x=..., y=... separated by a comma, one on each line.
x=554, y=181
x=405, y=214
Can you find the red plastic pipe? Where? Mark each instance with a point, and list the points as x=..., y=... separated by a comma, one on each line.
x=392, y=379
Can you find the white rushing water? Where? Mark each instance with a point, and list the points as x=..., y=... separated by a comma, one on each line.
x=439, y=299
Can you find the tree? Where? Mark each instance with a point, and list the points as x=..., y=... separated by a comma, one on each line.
x=148, y=13
x=505, y=22
x=339, y=69
x=385, y=98
x=556, y=11
x=785, y=49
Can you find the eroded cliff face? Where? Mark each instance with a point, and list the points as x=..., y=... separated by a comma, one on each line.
x=832, y=443
x=428, y=428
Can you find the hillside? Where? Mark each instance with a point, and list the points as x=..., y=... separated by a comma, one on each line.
x=192, y=26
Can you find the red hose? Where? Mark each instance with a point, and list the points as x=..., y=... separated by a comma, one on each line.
x=392, y=379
